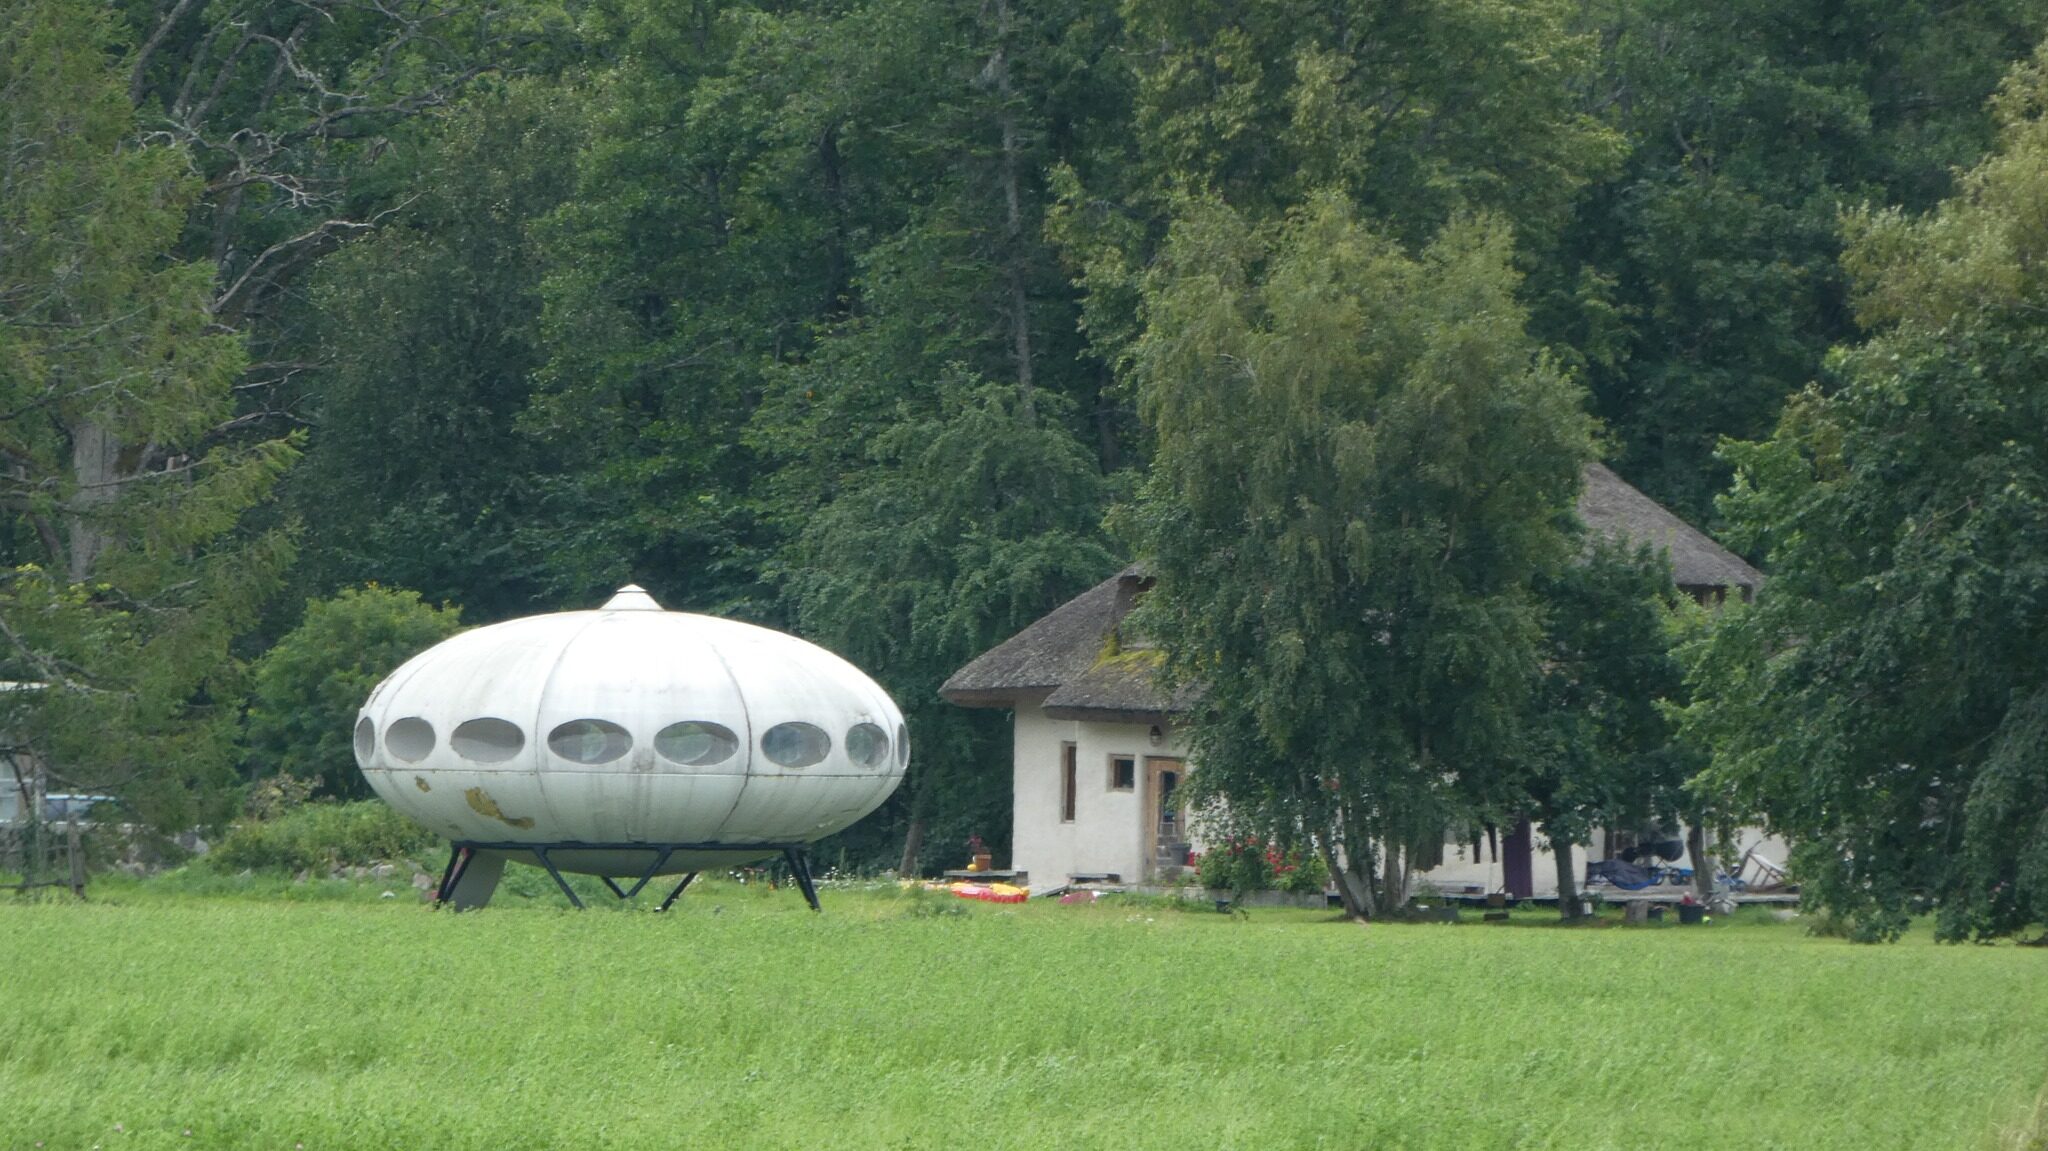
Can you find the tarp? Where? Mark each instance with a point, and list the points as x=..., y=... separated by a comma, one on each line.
x=991, y=892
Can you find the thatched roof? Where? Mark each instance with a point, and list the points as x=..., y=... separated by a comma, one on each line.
x=1058, y=648
x=1611, y=507
x=1076, y=666
x=1076, y=660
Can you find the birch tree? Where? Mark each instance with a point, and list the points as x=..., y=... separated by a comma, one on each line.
x=1361, y=463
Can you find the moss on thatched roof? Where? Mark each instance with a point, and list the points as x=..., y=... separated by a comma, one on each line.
x=1120, y=687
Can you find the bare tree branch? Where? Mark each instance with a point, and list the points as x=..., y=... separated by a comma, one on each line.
x=138, y=74
x=320, y=234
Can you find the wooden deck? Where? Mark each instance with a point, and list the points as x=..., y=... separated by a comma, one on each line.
x=1677, y=895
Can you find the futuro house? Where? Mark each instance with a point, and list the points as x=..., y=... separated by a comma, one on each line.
x=628, y=742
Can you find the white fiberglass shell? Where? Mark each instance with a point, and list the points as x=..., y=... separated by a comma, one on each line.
x=631, y=724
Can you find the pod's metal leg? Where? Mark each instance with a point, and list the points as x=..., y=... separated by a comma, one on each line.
x=660, y=861
x=541, y=853
x=660, y=857
x=667, y=903
x=800, y=868
x=471, y=878
x=458, y=860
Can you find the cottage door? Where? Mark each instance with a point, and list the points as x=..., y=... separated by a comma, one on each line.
x=1168, y=833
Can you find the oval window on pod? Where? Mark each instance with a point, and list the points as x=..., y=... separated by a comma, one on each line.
x=590, y=741
x=696, y=743
x=487, y=740
x=796, y=744
x=867, y=745
x=410, y=739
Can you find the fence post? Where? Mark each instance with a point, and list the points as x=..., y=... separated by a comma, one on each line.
x=74, y=849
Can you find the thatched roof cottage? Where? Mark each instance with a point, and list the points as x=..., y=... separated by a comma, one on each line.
x=1097, y=758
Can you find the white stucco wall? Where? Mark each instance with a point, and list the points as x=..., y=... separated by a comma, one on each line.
x=1111, y=832
x=1461, y=871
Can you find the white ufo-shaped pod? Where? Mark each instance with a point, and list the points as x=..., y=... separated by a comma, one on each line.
x=582, y=731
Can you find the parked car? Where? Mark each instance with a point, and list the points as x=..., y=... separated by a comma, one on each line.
x=58, y=808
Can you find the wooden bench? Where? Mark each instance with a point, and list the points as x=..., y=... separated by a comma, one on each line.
x=1020, y=878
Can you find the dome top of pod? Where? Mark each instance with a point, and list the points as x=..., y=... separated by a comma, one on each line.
x=632, y=597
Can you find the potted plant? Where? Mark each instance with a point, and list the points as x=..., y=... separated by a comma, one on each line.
x=979, y=857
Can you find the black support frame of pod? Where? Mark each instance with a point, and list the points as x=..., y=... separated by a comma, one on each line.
x=463, y=851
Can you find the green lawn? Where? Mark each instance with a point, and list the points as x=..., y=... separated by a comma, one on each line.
x=341, y=1021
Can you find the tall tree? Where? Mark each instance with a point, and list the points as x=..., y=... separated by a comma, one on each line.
x=965, y=526
x=285, y=108
x=1415, y=112
x=422, y=344
x=1701, y=284
x=691, y=255
x=1883, y=702
x=788, y=220
x=937, y=447
x=1362, y=461
x=125, y=580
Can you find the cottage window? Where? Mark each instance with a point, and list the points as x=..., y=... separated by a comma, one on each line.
x=1123, y=772
x=1069, y=760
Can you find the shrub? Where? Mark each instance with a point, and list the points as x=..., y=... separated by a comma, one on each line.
x=309, y=687
x=1303, y=873
x=270, y=798
x=1247, y=863
x=1236, y=864
x=317, y=836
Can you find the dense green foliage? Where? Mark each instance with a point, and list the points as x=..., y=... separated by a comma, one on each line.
x=422, y=341
x=1886, y=703
x=742, y=1019
x=306, y=690
x=1701, y=283
x=1597, y=749
x=947, y=541
x=858, y=317
x=125, y=579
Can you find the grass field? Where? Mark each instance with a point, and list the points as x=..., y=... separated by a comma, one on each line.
x=336, y=1020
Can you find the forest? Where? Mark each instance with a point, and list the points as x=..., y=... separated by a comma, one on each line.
x=330, y=326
